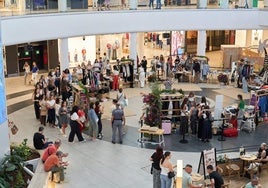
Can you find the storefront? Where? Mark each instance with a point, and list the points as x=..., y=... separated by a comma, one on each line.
x=44, y=53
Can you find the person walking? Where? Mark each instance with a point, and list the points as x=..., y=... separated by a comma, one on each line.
x=156, y=170
x=34, y=73
x=74, y=124
x=144, y=63
x=241, y=110
x=26, y=68
x=117, y=121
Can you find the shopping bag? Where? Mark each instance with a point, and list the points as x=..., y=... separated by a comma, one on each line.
x=166, y=125
x=14, y=129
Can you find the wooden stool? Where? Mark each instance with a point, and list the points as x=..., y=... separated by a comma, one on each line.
x=233, y=169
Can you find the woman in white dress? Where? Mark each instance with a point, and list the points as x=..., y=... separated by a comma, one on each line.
x=141, y=76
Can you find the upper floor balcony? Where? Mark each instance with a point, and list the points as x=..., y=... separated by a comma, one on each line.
x=37, y=26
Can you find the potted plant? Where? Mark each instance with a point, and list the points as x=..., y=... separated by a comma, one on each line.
x=12, y=173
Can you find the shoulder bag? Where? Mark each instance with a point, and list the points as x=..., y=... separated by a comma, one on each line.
x=171, y=175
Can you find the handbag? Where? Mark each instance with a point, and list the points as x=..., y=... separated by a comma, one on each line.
x=151, y=169
x=171, y=175
x=14, y=129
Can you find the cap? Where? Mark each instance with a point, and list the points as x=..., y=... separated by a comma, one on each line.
x=188, y=165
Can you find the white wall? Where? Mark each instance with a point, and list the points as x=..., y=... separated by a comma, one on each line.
x=66, y=25
x=78, y=43
x=240, y=36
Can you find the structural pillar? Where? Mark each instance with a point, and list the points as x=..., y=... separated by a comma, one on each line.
x=133, y=49
x=62, y=5
x=4, y=129
x=63, y=53
x=133, y=4
x=201, y=43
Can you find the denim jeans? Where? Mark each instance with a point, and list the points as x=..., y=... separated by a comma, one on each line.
x=158, y=4
x=151, y=3
x=165, y=181
x=156, y=178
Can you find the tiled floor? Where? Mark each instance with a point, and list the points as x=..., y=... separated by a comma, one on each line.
x=102, y=164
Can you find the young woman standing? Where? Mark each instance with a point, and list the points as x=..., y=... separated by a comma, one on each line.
x=166, y=167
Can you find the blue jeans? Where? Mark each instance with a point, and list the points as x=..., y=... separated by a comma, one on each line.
x=151, y=3
x=158, y=4
x=165, y=181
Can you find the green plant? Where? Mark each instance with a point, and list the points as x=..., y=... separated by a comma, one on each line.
x=19, y=180
x=3, y=183
x=22, y=150
x=11, y=167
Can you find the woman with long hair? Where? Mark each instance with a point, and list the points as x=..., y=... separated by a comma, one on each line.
x=166, y=167
x=35, y=98
x=99, y=111
x=184, y=116
x=156, y=170
x=51, y=115
x=63, y=117
x=74, y=124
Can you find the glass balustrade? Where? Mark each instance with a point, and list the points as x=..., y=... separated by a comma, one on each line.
x=26, y=7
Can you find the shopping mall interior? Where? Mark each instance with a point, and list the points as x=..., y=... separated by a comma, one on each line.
x=69, y=32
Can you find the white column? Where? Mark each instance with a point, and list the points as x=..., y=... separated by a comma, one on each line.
x=4, y=130
x=133, y=49
x=201, y=43
x=62, y=5
x=224, y=4
x=133, y=4
x=202, y=4
x=140, y=45
x=63, y=53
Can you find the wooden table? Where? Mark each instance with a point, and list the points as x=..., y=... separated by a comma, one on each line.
x=198, y=180
x=159, y=132
x=248, y=158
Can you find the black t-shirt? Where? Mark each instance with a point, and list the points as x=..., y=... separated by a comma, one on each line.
x=217, y=179
x=156, y=161
x=38, y=140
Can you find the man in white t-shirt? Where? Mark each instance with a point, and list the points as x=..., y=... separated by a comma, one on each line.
x=186, y=177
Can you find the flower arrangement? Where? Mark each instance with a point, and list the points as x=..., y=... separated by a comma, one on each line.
x=223, y=78
x=154, y=104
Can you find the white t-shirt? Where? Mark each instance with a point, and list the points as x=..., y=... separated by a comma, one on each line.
x=51, y=102
x=74, y=116
x=57, y=107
